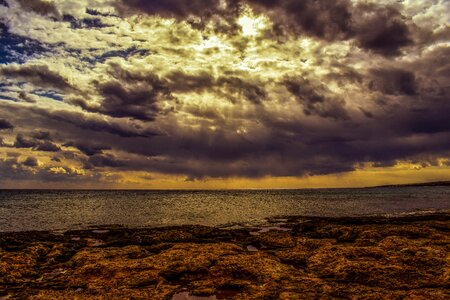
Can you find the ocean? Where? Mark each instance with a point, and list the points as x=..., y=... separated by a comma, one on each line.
x=67, y=210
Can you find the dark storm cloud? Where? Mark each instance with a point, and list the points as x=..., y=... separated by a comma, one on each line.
x=31, y=162
x=393, y=81
x=105, y=160
x=429, y=120
x=136, y=95
x=138, y=100
x=40, y=75
x=381, y=29
x=230, y=87
x=325, y=19
x=378, y=28
x=375, y=27
x=24, y=142
x=88, y=149
x=182, y=82
x=325, y=118
x=11, y=169
x=296, y=148
x=94, y=123
x=128, y=95
x=36, y=142
x=250, y=91
x=48, y=147
x=39, y=6
x=170, y=8
x=314, y=101
x=4, y=124
x=42, y=135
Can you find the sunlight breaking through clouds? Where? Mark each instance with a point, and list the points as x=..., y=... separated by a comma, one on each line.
x=237, y=90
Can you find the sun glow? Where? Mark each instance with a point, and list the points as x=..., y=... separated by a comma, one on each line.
x=251, y=25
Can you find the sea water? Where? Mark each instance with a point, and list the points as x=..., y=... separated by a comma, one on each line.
x=65, y=210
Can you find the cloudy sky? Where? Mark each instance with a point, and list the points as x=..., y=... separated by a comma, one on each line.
x=223, y=93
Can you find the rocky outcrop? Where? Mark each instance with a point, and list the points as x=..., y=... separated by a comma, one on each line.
x=365, y=258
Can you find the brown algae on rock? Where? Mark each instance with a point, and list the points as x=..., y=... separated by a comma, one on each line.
x=371, y=258
x=188, y=296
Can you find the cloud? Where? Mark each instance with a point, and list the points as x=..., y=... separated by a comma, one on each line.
x=381, y=29
x=85, y=23
x=88, y=149
x=17, y=48
x=315, y=101
x=4, y=124
x=38, y=142
x=95, y=123
x=105, y=160
x=48, y=147
x=394, y=82
x=39, y=6
x=375, y=27
x=231, y=87
x=178, y=87
x=169, y=8
x=324, y=19
x=40, y=75
x=42, y=135
x=127, y=94
x=31, y=162
x=12, y=170
x=24, y=142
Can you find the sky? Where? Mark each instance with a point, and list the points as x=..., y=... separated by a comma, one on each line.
x=174, y=94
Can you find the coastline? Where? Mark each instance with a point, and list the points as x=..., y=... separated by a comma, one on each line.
x=296, y=258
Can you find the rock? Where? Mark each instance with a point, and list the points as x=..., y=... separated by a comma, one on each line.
x=366, y=258
x=276, y=239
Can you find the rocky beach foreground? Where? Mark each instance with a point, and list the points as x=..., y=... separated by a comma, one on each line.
x=302, y=258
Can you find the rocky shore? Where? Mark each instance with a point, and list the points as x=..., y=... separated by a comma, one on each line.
x=301, y=258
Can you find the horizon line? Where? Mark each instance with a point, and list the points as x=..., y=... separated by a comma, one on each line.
x=421, y=184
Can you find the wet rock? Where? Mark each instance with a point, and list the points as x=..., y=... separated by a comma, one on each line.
x=297, y=257
x=361, y=258
x=276, y=239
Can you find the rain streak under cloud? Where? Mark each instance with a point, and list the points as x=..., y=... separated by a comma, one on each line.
x=129, y=93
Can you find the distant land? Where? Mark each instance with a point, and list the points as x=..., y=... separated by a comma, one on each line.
x=435, y=183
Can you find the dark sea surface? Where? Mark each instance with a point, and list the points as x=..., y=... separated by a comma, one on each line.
x=63, y=210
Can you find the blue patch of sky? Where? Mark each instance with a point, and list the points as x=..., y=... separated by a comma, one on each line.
x=94, y=12
x=7, y=98
x=4, y=85
x=92, y=57
x=125, y=53
x=7, y=87
x=18, y=49
x=85, y=23
x=48, y=94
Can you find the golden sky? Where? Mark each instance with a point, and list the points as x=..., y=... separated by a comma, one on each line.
x=223, y=93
